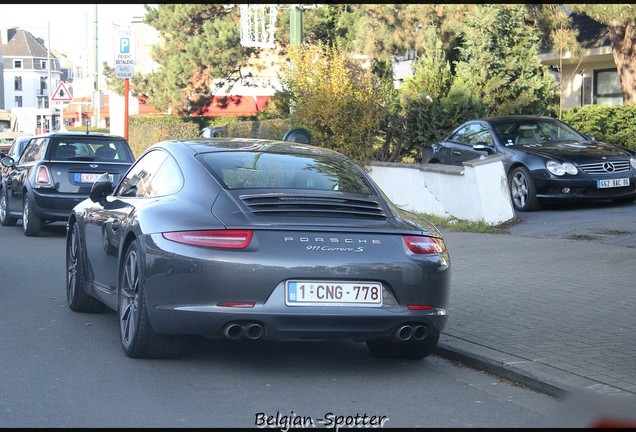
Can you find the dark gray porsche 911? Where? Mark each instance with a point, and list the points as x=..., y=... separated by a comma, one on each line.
x=254, y=239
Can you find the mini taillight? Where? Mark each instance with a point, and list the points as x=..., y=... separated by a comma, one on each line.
x=424, y=245
x=42, y=177
x=233, y=239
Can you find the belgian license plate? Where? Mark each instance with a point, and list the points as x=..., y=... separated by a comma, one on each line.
x=333, y=293
x=92, y=177
x=611, y=183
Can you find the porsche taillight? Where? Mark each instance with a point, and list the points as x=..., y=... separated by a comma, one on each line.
x=424, y=245
x=42, y=176
x=232, y=239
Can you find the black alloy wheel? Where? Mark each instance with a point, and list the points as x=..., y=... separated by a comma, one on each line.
x=137, y=337
x=31, y=224
x=5, y=219
x=76, y=297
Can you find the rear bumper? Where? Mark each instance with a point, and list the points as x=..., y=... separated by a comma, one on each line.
x=297, y=323
x=55, y=207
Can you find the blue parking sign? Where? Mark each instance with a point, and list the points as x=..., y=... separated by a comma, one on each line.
x=124, y=45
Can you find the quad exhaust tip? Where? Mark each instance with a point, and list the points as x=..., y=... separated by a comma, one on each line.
x=237, y=331
x=407, y=331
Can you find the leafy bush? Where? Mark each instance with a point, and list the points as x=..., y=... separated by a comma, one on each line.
x=144, y=131
x=615, y=124
x=263, y=129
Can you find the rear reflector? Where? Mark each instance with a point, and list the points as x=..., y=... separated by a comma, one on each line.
x=420, y=307
x=236, y=304
x=233, y=239
x=425, y=245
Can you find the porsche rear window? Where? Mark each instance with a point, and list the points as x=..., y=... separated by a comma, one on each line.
x=258, y=170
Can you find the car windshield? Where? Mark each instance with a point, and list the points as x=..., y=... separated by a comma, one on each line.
x=534, y=131
x=236, y=170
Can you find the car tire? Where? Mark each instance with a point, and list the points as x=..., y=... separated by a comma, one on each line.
x=5, y=219
x=31, y=224
x=78, y=300
x=522, y=190
x=412, y=349
x=137, y=337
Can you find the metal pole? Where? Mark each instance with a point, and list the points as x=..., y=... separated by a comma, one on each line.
x=126, y=92
x=48, y=64
x=96, y=101
x=296, y=24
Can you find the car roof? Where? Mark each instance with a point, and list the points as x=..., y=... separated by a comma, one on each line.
x=206, y=145
x=518, y=118
x=76, y=134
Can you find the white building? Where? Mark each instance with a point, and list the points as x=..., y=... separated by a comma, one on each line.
x=29, y=73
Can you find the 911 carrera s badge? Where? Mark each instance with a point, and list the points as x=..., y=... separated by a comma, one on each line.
x=333, y=244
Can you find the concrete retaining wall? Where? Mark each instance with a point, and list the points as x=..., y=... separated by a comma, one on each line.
x=476, y=191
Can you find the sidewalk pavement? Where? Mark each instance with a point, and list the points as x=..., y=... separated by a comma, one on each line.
x=556, y=315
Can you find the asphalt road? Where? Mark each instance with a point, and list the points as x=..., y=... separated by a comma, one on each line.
x=603, y=222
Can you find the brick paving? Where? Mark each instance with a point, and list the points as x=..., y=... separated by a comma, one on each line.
x=555, y=314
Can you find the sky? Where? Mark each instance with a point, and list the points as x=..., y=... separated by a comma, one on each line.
x=72, y=26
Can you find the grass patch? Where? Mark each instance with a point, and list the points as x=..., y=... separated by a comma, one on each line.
x=452, y=224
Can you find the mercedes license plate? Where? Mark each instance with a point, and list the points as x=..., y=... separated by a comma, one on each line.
x=333, y=293
x=611, y=183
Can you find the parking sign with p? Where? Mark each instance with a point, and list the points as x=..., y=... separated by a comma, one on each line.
x=124, y=45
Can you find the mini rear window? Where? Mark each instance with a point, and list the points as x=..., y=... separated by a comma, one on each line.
x=258, y=170
x=89, y=149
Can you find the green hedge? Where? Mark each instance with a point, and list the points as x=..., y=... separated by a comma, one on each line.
x=144, y=131
x=263, y=129
x=615, y=124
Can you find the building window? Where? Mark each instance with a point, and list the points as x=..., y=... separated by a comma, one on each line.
x=17, y=83
x=607, y=88
x=17, y=64
x=18, y=101
x=586, y=92
x=43, y=87
x=43, y=64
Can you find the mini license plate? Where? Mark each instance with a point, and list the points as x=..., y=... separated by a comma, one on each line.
x=90, y=177
x=333, y=293
x=610, y=183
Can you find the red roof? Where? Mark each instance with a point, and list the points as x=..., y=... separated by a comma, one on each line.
x=236, y=105
x=220, y=106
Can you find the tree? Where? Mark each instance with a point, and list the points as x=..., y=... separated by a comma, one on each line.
x=200, y=43
x=554, y=23
x=621, y=23
x=335, y=97
x=500, y=63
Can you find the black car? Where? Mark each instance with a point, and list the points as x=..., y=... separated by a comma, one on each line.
x=54, y=173
x=254, y=239
x=544, y=159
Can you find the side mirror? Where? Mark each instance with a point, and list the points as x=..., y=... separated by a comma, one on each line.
x=7, y=161
x=101, y=188
x=483, y=146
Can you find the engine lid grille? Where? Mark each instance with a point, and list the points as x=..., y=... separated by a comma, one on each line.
x=309, y=205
